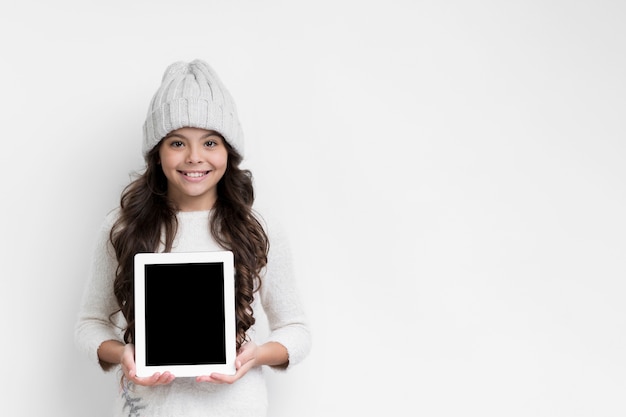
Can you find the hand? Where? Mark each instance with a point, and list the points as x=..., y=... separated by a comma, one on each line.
x=130, y=371
x=246, y=360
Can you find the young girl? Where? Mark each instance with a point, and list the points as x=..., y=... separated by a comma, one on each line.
x=192, y=196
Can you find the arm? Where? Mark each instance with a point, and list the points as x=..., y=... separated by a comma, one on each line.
x=250, y=355
x=287, y=320
x=94, y=325
x=272, y=354
x=110, y=352
x=290, y=340
x=113, y=352
x=96, y=334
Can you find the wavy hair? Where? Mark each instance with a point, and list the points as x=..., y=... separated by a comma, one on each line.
x=148, y=219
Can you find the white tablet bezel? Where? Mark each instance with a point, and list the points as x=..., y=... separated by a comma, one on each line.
x=187, y=370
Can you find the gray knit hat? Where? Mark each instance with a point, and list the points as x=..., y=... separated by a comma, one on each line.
x=191, y=95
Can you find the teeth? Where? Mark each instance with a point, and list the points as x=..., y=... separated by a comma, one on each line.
x=194, y=174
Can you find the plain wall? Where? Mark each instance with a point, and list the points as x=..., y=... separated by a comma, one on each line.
x=451, y=175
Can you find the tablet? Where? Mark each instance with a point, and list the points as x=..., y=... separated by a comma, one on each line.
x=185, y=313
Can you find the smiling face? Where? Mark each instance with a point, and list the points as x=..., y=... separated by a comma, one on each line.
x=193, y=161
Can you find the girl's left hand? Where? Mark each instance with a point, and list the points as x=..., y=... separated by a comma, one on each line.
x=246, y=360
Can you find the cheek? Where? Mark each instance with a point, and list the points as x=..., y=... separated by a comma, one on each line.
x=168, y=160
x=220, y=161
x=168, y=168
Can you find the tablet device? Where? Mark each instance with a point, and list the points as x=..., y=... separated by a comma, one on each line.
x=185, y=313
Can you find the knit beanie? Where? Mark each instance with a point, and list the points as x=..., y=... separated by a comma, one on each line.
x=191, y=95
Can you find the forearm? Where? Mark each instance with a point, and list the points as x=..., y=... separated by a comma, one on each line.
x=272, y=354
x=110, y=352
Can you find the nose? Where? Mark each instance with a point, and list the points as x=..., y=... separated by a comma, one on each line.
x=194, y=154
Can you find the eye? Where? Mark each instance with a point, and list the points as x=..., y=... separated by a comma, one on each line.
x=210, y=143
x=176, y=144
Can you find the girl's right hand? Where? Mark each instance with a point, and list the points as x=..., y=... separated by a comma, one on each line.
x=128, y=366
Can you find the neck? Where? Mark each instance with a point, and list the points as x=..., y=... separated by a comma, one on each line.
x=202, y=203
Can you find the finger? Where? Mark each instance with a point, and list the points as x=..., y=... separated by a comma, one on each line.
x=166, y=378
x=223, y=378
x=242, y=360
x=206, y=378
x=147, y=381
x=246, y=353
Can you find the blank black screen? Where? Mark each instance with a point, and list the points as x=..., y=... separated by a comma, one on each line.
x=185, y=314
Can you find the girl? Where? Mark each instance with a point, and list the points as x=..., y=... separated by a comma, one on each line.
x=192, y=196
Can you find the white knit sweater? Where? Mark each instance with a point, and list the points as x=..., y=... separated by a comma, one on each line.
x=277, y=298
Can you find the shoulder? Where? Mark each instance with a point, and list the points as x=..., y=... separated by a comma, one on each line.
x=272, y=225
x=107, y=222
x=280, y=250
x=110, y=218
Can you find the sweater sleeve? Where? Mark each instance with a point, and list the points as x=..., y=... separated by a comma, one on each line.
x=287, y=321
x=94, y=325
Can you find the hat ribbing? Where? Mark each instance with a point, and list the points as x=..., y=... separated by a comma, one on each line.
x=192, y=95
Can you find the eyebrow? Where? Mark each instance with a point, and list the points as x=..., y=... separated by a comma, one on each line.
x=207, y=135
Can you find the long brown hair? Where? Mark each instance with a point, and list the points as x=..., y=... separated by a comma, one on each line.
x=148, y=219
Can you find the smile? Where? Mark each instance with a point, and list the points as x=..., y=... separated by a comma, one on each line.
x=195, y=174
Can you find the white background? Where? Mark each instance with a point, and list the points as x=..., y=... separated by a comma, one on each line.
x=451, y=175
